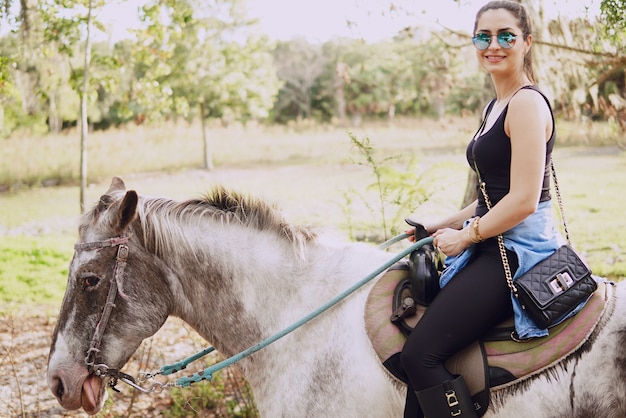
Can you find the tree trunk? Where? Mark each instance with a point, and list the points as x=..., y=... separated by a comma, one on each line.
x=391, y=114
x=471, y=193
x=26, y=82
x=2, y=121
x=208, y=160
x=54, y=120
x=26, y=73
x=341, y=78
x=83, y=114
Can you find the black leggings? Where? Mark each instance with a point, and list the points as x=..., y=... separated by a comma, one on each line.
x=475, y=300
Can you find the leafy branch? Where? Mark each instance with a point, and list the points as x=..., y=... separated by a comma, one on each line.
x=401, y=189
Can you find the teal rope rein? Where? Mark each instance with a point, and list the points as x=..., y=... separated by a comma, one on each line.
x=207, y=374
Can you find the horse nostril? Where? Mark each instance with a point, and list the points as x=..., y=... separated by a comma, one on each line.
x=58, y=389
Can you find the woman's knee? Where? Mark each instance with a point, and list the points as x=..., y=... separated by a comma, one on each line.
x=406, y=359
x=414, y=359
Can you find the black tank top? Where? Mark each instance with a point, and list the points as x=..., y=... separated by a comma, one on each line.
x=491, y=151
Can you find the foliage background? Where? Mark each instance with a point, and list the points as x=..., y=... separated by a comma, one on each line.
x=195, y=60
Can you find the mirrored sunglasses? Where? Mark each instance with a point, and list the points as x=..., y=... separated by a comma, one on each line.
x=505, y=39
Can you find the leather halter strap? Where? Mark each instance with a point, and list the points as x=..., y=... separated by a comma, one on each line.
x=111, y=242
x=118, y=271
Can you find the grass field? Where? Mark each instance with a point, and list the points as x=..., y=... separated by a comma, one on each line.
x=314, y=175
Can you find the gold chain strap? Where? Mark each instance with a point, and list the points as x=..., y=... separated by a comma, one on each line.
x=560, y=200
x=505, y=259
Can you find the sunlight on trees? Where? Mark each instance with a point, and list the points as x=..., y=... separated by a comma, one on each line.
x=206, y=60
x=199, y=59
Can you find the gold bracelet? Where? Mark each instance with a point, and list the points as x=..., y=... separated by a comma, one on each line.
x=475, y=227
x=469, y=234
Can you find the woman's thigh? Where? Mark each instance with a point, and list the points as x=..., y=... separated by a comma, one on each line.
x=476, y=299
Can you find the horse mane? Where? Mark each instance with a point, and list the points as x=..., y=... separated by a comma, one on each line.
x=162, y=219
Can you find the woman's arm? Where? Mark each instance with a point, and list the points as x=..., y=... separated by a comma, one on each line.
x=529, y=125
x=454, y=221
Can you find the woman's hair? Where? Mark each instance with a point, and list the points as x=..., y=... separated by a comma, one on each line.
x=519, y=11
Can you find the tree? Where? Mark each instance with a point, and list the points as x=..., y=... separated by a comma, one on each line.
x=200, y=58
x=25, y=74
x=614, y=15
x=388, y=75
x=5, y=62
x=83, y=109
x=63, y=33
x=299, y=65
x=7, y=89
x=368, y=80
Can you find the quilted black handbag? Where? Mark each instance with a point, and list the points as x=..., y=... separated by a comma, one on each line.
x=554, y=287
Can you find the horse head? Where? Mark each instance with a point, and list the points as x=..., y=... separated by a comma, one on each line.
x=106, y=312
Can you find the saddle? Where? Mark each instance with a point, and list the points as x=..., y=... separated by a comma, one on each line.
x=496, y=361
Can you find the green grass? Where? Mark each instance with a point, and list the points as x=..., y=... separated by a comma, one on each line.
x=54, y=159
x=592, y=181
x=33, y=270
x=215, y=396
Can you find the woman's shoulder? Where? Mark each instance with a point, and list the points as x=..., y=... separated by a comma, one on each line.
x=529, y=98
x=529, y=109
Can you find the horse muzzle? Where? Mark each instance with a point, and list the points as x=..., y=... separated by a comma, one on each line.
x=74, y=387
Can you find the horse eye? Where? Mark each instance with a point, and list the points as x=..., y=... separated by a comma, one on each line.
x=90, y=281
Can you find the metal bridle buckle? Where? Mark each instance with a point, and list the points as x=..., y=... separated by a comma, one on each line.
x=122, y=252
x=103, y=371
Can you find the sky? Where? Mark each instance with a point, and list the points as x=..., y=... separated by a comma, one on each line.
x=371, y=20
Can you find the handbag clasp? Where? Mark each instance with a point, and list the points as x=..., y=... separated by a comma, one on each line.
x=561, y=282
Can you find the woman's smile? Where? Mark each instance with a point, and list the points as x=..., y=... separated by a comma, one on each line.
x=494, y=58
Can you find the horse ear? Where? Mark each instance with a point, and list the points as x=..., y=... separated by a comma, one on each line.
x=128, y=210
x=117, y=185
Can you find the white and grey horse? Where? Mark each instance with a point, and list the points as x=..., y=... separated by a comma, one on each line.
x=237, y=272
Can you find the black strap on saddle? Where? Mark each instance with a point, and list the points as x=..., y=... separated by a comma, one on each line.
x=422, y=284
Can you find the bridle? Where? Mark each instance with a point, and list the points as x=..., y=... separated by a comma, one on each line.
x=103, y=370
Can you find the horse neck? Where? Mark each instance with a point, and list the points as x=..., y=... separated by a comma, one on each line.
x=236, y=285
x=227, y=281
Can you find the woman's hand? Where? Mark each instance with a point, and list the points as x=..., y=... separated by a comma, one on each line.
x=451, y=241
x=411, y=233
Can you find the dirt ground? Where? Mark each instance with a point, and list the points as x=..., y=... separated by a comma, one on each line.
x=25, y=343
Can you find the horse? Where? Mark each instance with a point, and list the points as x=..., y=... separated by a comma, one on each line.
x=236, y=271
